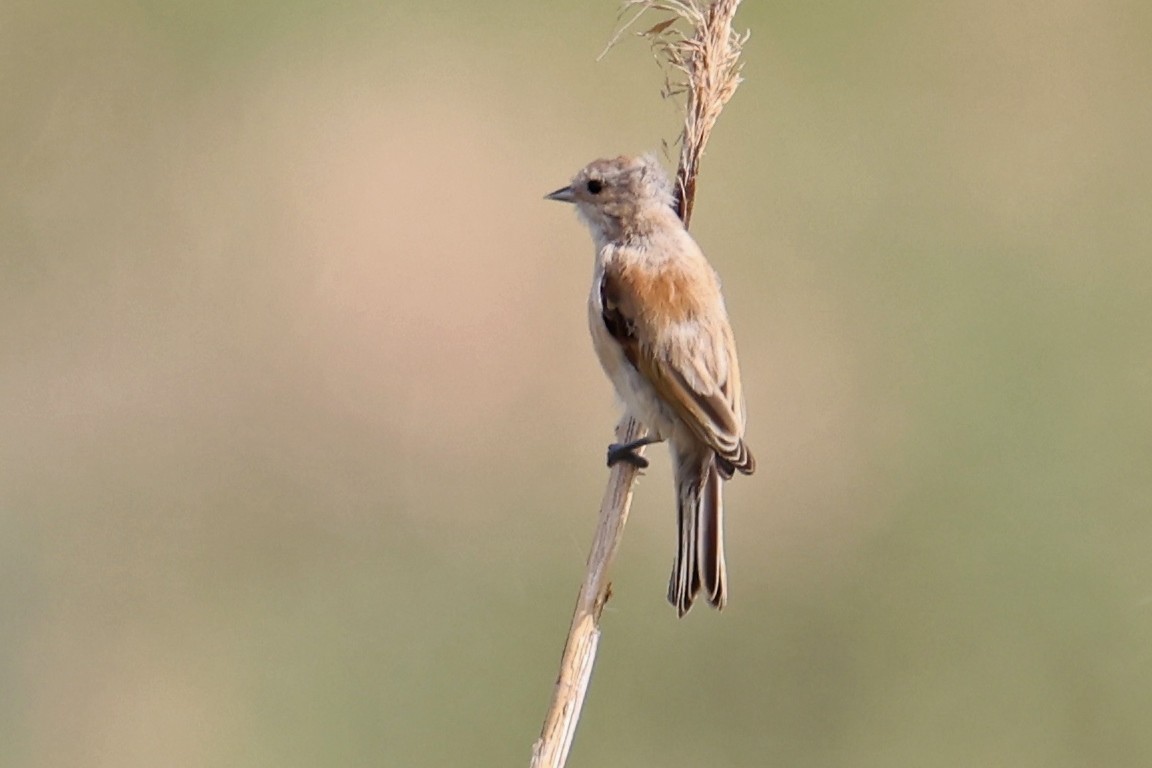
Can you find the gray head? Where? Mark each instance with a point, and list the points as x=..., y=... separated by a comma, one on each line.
x=618, y=194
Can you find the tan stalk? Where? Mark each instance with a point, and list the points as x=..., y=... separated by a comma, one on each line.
x=697, y=44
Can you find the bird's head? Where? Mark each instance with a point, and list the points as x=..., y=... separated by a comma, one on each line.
x=615, y=195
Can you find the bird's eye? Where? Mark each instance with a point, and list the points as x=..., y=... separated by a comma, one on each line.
x=594, y=186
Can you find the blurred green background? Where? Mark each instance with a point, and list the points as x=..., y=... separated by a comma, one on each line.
x=301, y=436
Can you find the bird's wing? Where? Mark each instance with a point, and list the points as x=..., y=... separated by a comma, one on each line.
x=677, y=336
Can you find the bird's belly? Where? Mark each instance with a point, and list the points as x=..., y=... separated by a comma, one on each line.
x=637, y=394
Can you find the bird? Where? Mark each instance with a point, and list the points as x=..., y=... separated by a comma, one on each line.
x=661, y=332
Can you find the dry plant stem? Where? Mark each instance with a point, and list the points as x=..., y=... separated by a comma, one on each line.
x=705, y=68
x=551, y=749
x=708, y=61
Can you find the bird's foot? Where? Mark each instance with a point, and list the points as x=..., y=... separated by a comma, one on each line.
x=618, y=452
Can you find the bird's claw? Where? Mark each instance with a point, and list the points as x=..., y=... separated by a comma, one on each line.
x=618, y=452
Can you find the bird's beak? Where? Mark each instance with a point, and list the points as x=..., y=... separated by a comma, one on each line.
x=563, y=195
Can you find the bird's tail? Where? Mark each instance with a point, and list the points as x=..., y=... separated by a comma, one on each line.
x=700, y=556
